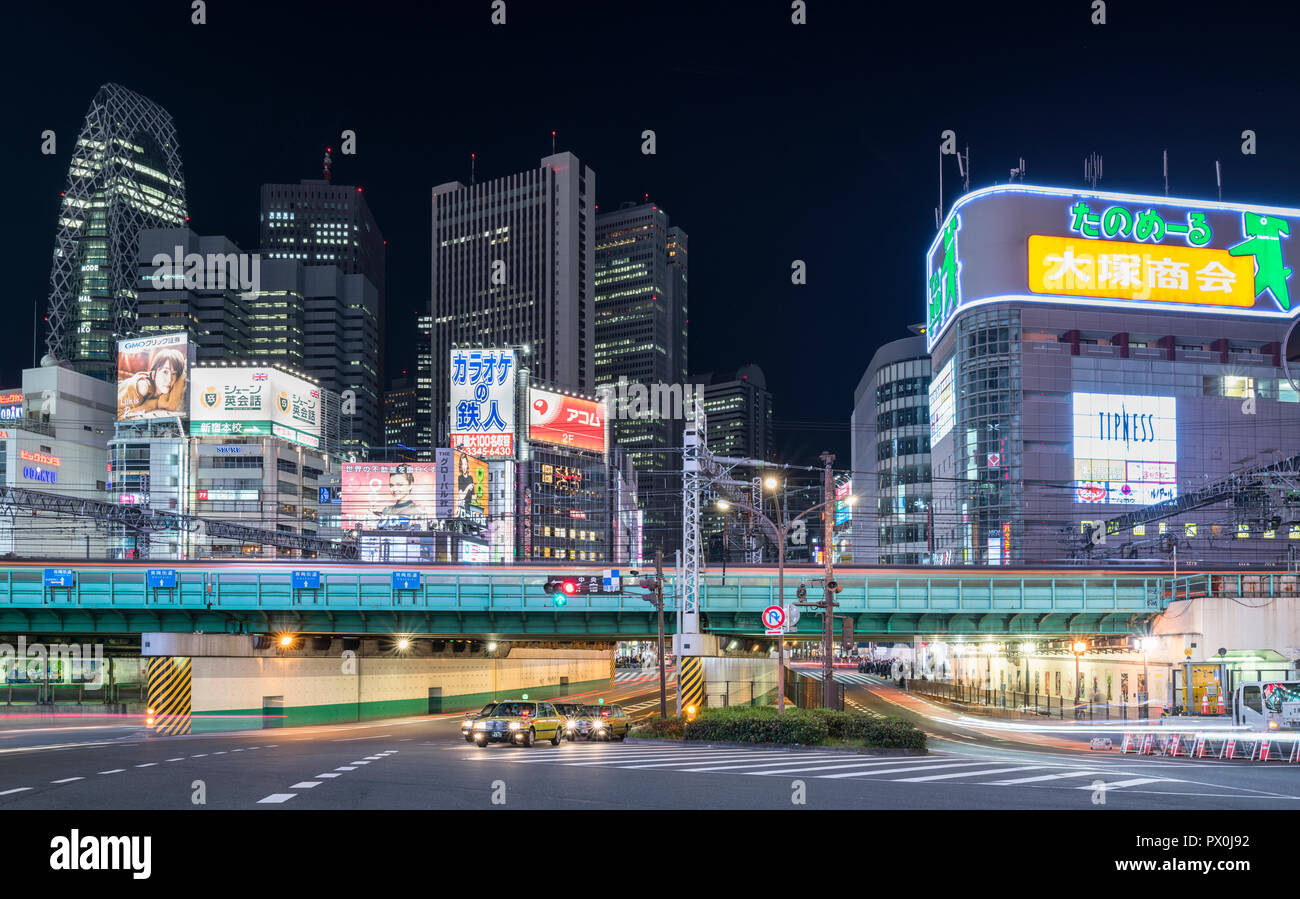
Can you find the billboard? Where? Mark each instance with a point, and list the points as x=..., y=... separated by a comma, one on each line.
x=251, y=401
x=1021, y=243
x=943, y=404
x=1125, y=449
x=483, y=402
x=153, y=377
x=568, y=421
x=391, y=496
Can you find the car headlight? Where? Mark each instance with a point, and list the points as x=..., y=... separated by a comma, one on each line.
x=482, y=725
x=514, y=725
x=569, y=725
x=599, y=725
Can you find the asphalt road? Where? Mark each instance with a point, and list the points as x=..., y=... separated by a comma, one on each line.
x=423, y=763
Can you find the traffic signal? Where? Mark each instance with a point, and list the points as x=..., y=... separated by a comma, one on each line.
x=560, y=589
x=802, y=593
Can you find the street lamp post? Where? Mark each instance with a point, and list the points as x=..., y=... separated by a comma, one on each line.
x=1078, y=647
x=780, y=531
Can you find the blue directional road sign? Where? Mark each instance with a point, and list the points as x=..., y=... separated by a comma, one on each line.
x=161, y=577
x=406, y=580
x=60, y=577
x=306, y=580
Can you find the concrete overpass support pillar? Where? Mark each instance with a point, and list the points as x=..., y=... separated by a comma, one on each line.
x=170, y=707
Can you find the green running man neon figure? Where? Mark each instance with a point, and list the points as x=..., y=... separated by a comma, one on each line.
x=1265, y=235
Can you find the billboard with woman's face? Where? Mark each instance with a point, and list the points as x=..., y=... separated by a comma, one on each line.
x=153, y=375
x=390, y=496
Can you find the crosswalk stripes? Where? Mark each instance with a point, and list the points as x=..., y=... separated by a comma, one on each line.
x=846, y=677
x=937, y=770
x=643, y=675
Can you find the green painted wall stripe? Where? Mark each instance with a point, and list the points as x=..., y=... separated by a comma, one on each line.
x=344, y=712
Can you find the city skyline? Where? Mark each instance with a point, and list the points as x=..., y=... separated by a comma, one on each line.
x=738, y=141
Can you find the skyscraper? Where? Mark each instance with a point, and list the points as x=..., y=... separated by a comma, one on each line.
x=513, y=266
x=125, y=176
x=401, y=426
x=738, y=409
x=312, y=318
x=320, y=223
x=641, y=339
x=424, y=387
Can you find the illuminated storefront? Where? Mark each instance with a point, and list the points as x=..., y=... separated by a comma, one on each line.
x=1100, y=352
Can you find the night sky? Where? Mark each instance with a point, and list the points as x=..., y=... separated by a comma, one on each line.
x=775, y=142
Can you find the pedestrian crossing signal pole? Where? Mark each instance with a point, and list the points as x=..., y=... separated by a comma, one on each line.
x=656, y=598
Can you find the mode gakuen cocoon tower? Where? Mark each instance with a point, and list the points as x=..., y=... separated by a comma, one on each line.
x=1094, y=353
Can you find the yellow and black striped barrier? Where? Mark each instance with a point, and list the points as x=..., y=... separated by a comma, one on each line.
x=169, y=695
x=690, y=683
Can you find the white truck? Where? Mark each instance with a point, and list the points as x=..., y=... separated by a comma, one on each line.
x=1267, y=705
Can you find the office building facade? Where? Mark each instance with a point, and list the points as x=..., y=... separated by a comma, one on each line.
x=891, y=457
x=513, y=264
x=641, y=336
x=1096, y=356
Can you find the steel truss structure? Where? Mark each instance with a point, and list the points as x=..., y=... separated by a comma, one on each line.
x=120, y=125
x=1257, y=494
x=144, y=521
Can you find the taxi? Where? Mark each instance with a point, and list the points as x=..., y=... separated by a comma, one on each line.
x=467, y=726
x=519, y=721
x=600, y=722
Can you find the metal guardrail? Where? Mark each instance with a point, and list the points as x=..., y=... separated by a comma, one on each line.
x=806, y=692
x=1033, y=704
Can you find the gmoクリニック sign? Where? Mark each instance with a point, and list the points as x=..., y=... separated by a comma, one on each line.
x=1026, y=244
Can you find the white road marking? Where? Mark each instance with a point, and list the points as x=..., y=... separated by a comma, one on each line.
x=199, y=756
x=147, y=765
x=902, y=770
x=113, y=771
x=362, y=762
x=913, y=780
x=305, y=785
x=67, y=780
x=1116, y=784
x=329, y=775
x=177, y=759
x=14, y=790
x=277, y=797
x=344, y=768
x=1029, y=780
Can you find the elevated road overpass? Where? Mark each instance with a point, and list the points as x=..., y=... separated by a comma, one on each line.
x=256, y=597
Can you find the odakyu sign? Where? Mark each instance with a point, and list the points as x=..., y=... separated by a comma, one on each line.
x=1025, y=244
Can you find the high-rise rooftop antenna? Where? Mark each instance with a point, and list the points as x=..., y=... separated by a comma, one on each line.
x=328, y=162
x=1164, y=154
x=552, y=143
x=1019, y=172
x=1218, y=178
x=963, y=169
x=471, y=168
x=1092, y=169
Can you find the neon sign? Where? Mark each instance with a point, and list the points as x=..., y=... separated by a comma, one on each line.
x=1110, y=250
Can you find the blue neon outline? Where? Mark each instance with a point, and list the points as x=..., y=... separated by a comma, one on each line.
x=932, y=335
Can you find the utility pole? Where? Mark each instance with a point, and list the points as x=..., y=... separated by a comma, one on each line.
x=656, y=599
x=828, y=619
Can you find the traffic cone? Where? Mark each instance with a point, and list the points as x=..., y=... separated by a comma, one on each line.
x=1219, y=709
x=1205, y=703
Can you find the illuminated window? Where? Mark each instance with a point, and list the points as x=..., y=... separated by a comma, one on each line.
x=1139, y=530
x=1189, y=529
x=1164, y=527
x=1243, y=531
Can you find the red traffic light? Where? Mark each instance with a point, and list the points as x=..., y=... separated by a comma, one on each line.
x=568, y=587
